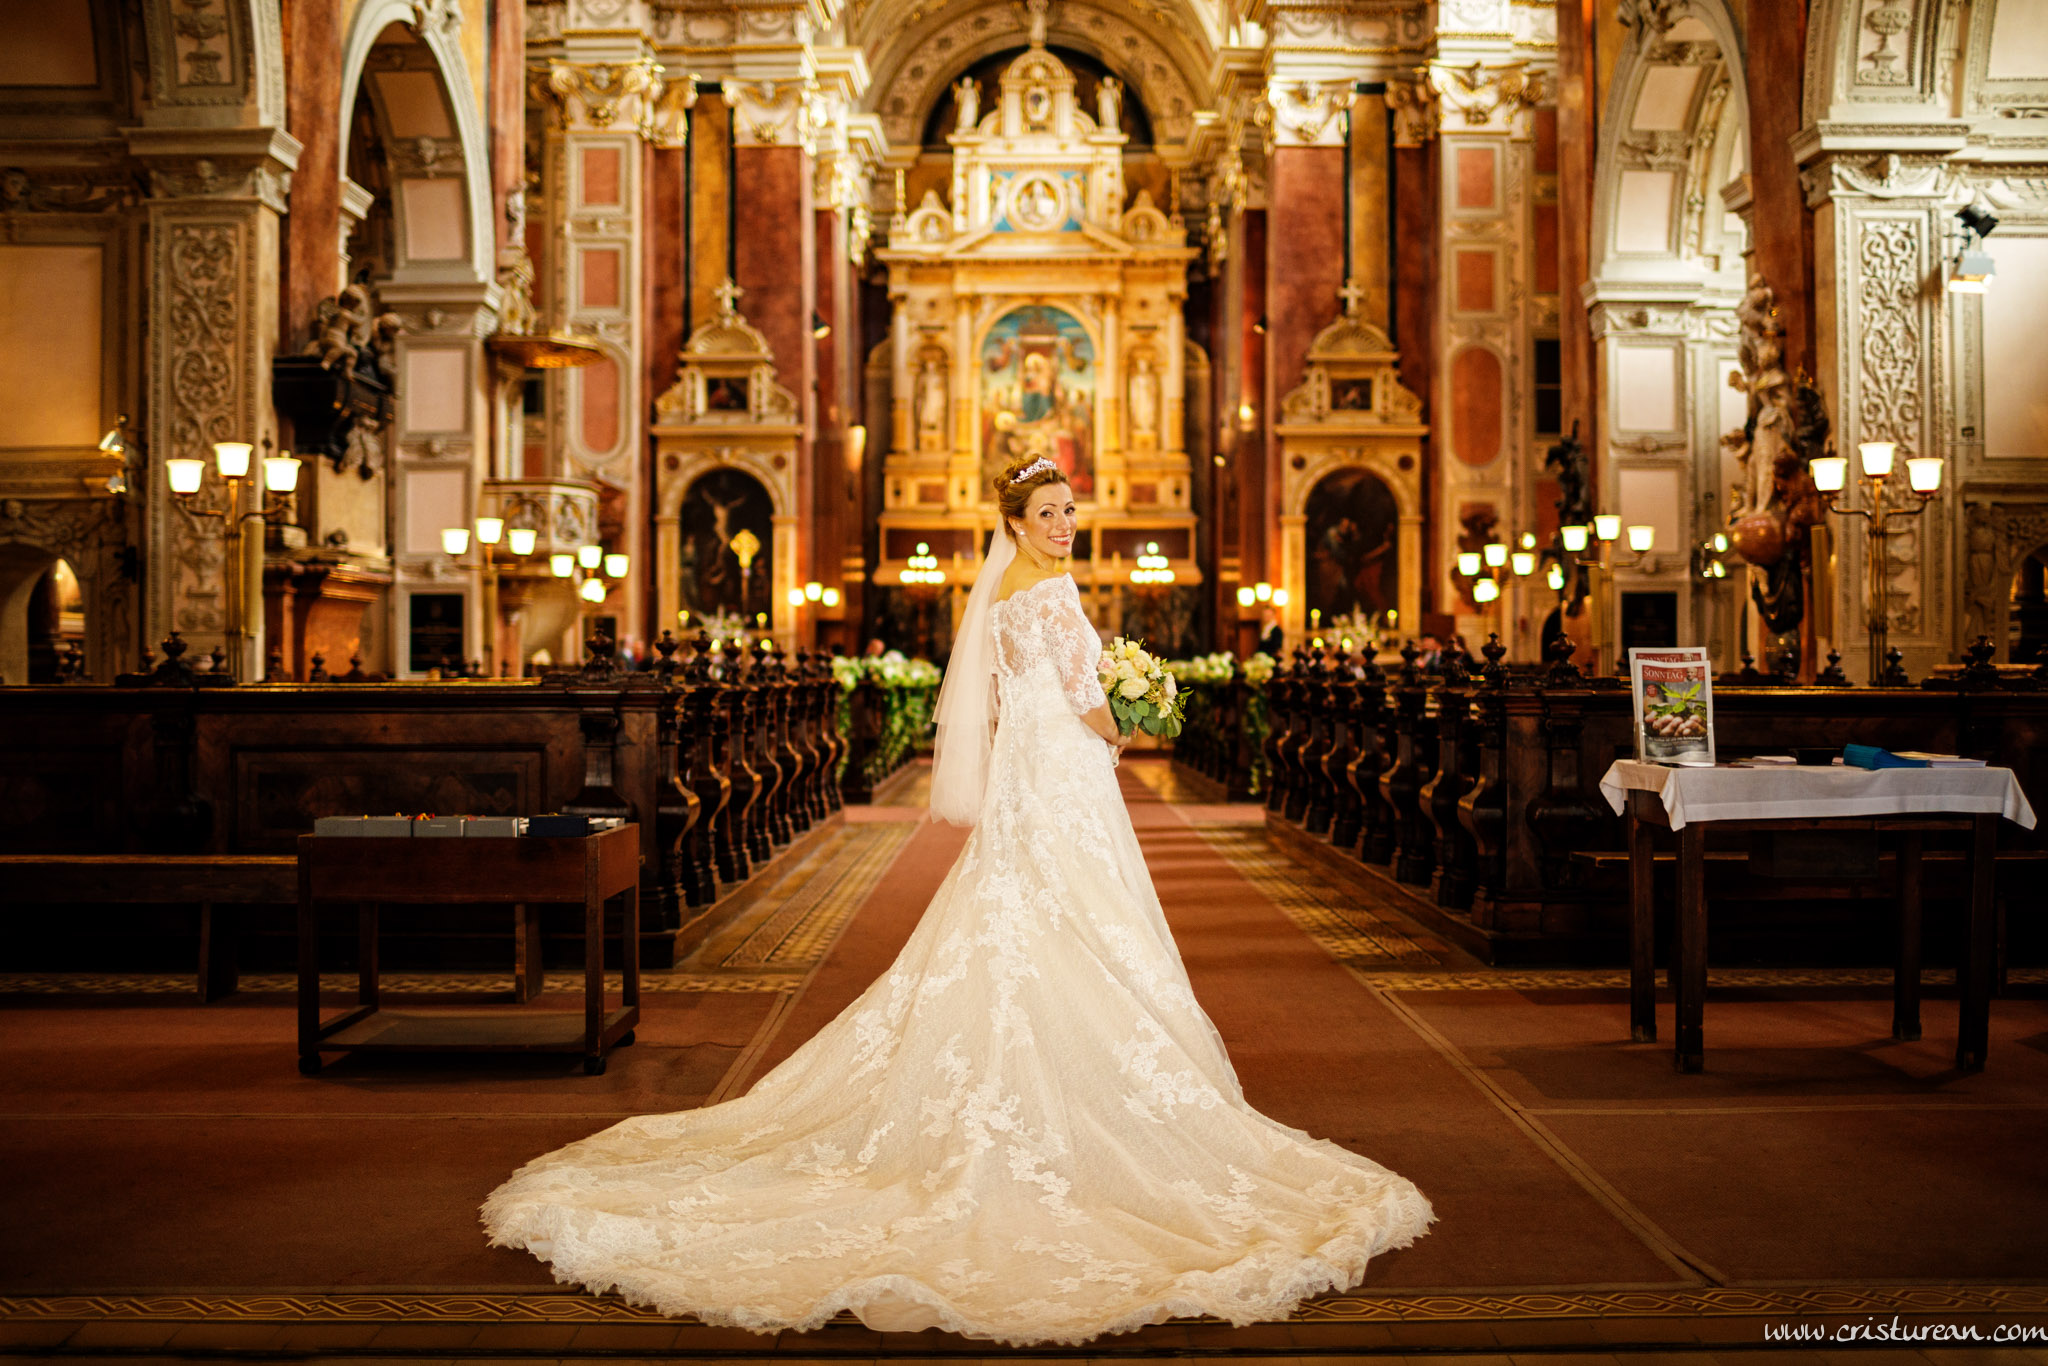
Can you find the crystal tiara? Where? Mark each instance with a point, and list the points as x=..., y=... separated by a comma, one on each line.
x=1037, y=466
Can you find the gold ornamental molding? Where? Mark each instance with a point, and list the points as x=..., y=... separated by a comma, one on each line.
x=1907, y=1300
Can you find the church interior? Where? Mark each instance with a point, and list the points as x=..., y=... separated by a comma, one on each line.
x=457, y=412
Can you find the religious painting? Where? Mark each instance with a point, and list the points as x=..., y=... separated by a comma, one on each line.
x=728, y=526
x=1353, y=529
x=1038, y=394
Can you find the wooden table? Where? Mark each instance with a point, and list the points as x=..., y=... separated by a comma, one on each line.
x=524, y=872
x=1831, y=792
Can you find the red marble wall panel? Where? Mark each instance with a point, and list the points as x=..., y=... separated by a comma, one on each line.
x=1783, y=231
x=1577, y=129
x=1543, y=247
x=600, y=268
x=312, y=94
x=1474, y=280
x=1304, y=256
x=599, y=407
x=1475, y=405
x=601, y=175
x=1252, y=457
x=1476, y=171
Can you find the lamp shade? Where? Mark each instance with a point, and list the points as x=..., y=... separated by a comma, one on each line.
x=1246, y=597
x=281, y=473
x=590, y=556
x=1877, y=458
x=490, y=530
x=796, y=597
x=522, y=539
x=1830, y=472
x=454, y=540
x=1607, y=526
x=232, y=458
x=593, y=590
x=1524, y=562
x=1923, y=472
x=1468, y=563
x=561, y=564
x=1263, y=592
x=1573, y=537
x=831, y=598
x=617, y=563
x=1641, y=538
x=814, y=590
x=1279, y=597
x=185, y=474
x=1486, y=590
x=1555, y=578
x=1496, y=554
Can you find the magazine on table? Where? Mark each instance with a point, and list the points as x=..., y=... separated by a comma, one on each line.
x=1673, y=695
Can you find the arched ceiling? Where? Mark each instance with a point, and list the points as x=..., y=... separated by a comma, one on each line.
x=916, y=48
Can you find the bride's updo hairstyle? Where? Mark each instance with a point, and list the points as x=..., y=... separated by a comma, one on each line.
x=1013, y=493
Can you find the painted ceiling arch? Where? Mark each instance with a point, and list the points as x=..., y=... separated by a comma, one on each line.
x=914, y=63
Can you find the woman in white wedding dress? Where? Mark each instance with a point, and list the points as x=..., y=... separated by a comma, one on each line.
x=1026, y=1129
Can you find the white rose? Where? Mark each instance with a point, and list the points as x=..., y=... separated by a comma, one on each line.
x=1171, y=687
x=1133, y=688
x=1142, y=662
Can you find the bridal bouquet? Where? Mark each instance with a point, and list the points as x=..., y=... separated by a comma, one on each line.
x=1142, y=694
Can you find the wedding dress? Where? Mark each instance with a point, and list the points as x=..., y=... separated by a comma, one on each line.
x=1026, y=1129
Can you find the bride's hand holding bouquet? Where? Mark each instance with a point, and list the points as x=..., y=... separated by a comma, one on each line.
x=1142, y=694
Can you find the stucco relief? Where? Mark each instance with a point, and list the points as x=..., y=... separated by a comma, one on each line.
x=908, y=86
x=1890, y=356
x=1996, y=536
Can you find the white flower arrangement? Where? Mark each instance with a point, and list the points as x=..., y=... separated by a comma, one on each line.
x=1211, y=668
x=890, y=669
x=1143, y=693
x=1258, y=670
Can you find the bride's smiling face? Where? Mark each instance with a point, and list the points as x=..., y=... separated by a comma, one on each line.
x=1049, y=521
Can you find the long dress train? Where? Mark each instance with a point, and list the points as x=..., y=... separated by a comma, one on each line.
x=1026, y=1129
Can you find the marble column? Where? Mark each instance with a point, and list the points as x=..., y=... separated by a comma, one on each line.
x=212, y=285
x=1304, y=263
x=775, y=123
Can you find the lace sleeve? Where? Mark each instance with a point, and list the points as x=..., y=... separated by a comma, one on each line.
x=1075, y=648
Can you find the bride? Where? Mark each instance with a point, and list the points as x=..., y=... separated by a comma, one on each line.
x=1026, y=1129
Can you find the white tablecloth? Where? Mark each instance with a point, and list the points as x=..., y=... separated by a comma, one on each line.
x=1785, y=791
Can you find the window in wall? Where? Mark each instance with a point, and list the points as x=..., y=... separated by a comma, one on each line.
x=1548, y=389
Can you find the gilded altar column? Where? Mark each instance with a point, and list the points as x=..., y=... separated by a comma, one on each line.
x=213, y=289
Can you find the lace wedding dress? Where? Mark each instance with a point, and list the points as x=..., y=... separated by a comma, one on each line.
x=1025, y=1130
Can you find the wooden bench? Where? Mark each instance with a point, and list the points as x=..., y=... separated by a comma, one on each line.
x=217, y=882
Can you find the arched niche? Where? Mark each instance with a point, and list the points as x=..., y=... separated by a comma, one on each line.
x=1351, y=418
x=416, y=79
x=1667, y=272
x=1352, y=526
x=724, y=424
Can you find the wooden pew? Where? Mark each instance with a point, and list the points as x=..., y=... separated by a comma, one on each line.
x=217, y=882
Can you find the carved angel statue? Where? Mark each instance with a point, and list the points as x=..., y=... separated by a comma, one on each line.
x=341, y=327
x=1109, y=100
x=967, y=99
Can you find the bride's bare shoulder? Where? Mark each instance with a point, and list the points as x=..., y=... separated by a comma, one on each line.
x=1021, y=577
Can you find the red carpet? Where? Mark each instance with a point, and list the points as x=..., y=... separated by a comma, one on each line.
x=157, y=1144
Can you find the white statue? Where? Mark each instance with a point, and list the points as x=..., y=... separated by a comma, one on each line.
x=967, y=96
x=931, y=400
x=1109, y=99
x=1144, y=397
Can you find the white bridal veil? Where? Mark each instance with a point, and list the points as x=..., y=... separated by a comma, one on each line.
x=964, y=717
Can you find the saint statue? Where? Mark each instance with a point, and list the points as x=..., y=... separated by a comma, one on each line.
x=967, y=99
x=1109, y=98
x=1144, y=397
x=931, y=401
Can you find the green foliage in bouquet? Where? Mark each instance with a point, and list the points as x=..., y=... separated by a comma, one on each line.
x=1143, y=693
